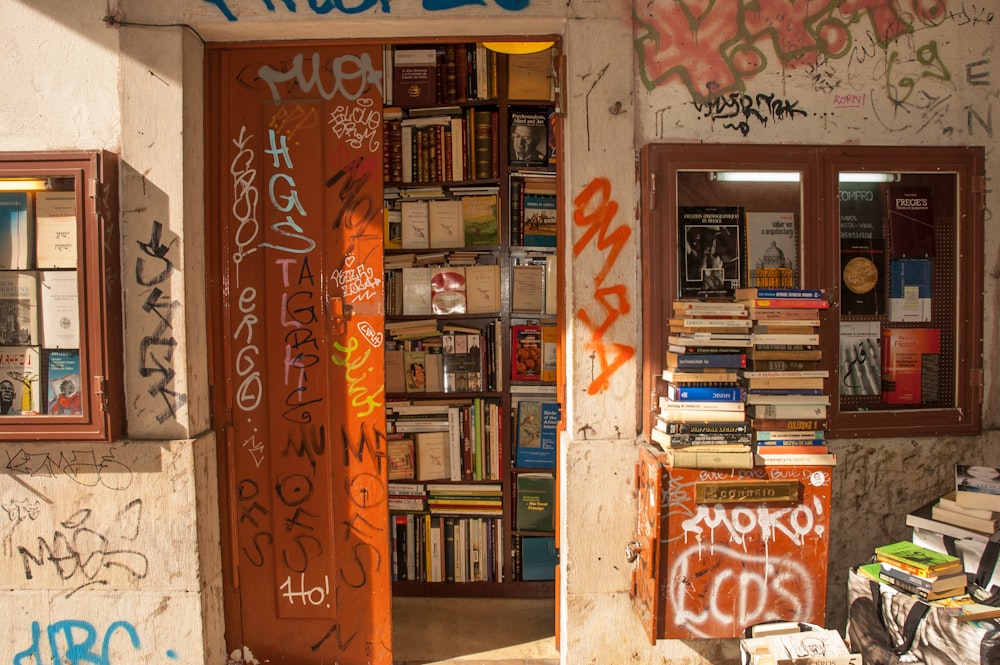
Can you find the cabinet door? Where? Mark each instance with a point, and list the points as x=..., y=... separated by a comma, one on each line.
x=645, y=550
x=295, y=226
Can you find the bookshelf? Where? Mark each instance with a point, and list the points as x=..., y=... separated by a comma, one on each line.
x=471, y=206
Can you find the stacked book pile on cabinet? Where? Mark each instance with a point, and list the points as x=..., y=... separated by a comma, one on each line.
x=786, y=397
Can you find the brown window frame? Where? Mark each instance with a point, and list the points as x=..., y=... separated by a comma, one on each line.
x=94, y=178
x=818, y=226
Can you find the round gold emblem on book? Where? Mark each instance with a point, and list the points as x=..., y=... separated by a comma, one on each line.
x=860, y=275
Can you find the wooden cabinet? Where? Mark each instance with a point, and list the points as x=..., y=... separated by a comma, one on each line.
x=471, y=210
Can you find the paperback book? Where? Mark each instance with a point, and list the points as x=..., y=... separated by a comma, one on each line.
x=911, y=221
x=20, y=381
x=713, y=255
x=860, y=358
x=910, y=290
x=772, y=251
x=15, y=231
x=19, y=308
x=862, y=266
x=910, y=365
x=62, y=371
x=537, y=424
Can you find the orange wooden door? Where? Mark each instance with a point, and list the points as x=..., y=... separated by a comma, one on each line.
x=294, y=226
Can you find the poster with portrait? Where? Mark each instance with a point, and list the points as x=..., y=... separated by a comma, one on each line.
x=713, y=251
x=529, y=138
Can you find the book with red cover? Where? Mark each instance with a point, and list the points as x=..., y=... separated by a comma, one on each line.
x=415, y=77
x=911, y=222
x=526, y=352
x=910, y=360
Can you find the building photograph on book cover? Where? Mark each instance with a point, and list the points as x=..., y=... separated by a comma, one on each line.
x=529, y=143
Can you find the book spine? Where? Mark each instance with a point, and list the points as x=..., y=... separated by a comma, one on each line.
x=707, y=360
x=483, y=142
x=706, y=394
x=788, y=293
x=904, y=585
x=700, y=428
x=911, y=568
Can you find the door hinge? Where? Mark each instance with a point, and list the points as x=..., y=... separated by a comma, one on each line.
x=652, y=191
x=100, y=383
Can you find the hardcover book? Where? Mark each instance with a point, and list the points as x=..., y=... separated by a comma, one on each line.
x=62, y=371
x=415, y=366
x=527, y=288
x=401, y=455
x=15, y=231
x=550, y=349
x=772, y=251
x=910, y=290
x=529, y=141
x=535, y=437
x=415, y=232
x=911, y=222
x=482, y=289
x=480, y=220
x=20, y=381
x=910, y=362
x=448, y=291
x=18, y=308
x=60, y=309
x=414, y=77
x=712, y=260
x=535, y=498
x=540, y=220
x=445, y=219
x=416, y=283
x=432, y=449
x=860, y=358
x=538, y=558
x=526, y=352
x=56, y=245
x=862, y=265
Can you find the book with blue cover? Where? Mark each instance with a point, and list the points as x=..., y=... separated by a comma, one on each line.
x=538, y=558
x=15, y=231
x=537, y=423
x=685, y=393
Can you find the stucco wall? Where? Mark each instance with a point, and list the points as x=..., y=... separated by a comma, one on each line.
x=138, y=91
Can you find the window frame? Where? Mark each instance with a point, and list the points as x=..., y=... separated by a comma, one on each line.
x=99, y=288
x=818, y=229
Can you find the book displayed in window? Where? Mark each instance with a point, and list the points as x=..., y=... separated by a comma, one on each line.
x=713, y=251
x=910, y=365
x=20, y=381
x=56, y=230
x=528, y=138
x=862, y=264
x=414, y=77
x=62, y=372
x=19, y=308
x=860, y=358
x=911, y=222
x=772, y=252
x=60, y=309
x=910, y=290
x=15, y=231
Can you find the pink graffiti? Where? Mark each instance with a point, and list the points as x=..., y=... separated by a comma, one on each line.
x=714, y=47
x=594, y=209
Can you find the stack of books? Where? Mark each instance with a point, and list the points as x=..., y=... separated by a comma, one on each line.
x=785, y=387
x=963, y=518
x=701, y=421
x=787, y=642
x=918, y=570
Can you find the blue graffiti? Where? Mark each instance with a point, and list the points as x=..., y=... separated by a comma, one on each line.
x=72, y=642
x=323, y=7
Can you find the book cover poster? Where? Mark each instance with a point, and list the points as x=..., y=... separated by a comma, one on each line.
x=772, y=252
x=860, y=358
x=910, y=290
x=910, y=365
x=18, y=308
x=911, y=222
x=20, y=381
x=713, y=251
x=860, y=211
x=862, y=264
x=15, y=231
x=529, y=141
x=62, y=371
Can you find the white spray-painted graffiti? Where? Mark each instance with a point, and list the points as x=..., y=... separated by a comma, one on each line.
x=358, y=125
x=352, y=75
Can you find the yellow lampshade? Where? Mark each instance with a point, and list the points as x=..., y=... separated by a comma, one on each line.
x=517, y=48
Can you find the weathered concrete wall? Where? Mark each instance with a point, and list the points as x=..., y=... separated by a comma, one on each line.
x=138, y=91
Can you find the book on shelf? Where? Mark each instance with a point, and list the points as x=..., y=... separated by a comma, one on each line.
x=432, y=453
x=401, y=456
x=977, y=486
x=684, y=393
x=415, y=217
x=984, y=524
x=482, y=289
x=62, y=372
x=704, y=416
x=782, y=365
x=415, y=370
x=55, y=230
x=754, y=355
x=804, y=339
x=916, y=559
x=20, y=381
x=416, y=286
x=800, y=424
x=392, y=231
x=910, y=365
x=862, y=265
x=527, y=288
x=665, y=403
x=535, y=501
x=860, y=358
x=787, y=315
x=797, y=459
x=788, y=436
x=483, y=125
x=755, y=306
x=772, y=250
x=699, y=459
x=529, y=141
x=463, y=362
x=807, y=447
x=713, y=255
x=445, y=223
x=19, y=323
x=16, y=231
x=433, y=370
x=709, y=307
x=950, y=502
x=526, y=352
x=720, y=324
x=535, y=434
x=910, y=290
x=710, y=360
x=704, y=429
x=700, y=442
x=538, y=558
x=706, y=376
x=448, y=290
x=550, y=352
x=786, y=411
x=480, y=220
x=784, y=374
x=781, y=293
x=59, y=303
x=812, y=398
x=910, y=216
x=530, y=76
x=414, y=77
x=540, y=220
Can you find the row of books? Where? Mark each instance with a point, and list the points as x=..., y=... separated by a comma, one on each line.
x=445, y=74
x=453, y=145
x=34, y=382
x=38, y=230
x=533, y=208
x=40, y=308
x=457, y=360
x=791, y=642
x=437, y=548
x=443, y=223
x=442, y=289
x=456, y=442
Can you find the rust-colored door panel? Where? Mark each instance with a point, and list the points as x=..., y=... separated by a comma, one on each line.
x=294, y=173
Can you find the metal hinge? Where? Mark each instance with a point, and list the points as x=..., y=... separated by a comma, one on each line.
x=652, y=191
x=100, y=383
x=979, y=189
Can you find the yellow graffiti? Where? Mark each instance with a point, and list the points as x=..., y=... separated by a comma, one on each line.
x=360, y=397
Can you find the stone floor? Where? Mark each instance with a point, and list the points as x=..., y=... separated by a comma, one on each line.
x=473, y=630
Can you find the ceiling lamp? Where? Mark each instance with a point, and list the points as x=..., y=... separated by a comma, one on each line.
x=517, y=48
x=23, y=184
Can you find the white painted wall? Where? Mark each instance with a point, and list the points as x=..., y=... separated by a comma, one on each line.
x=73, y=83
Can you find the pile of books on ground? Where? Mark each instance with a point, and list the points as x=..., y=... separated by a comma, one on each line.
x=701, y=419
x=785, y=389
x=791, y=643
x=918, y=570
